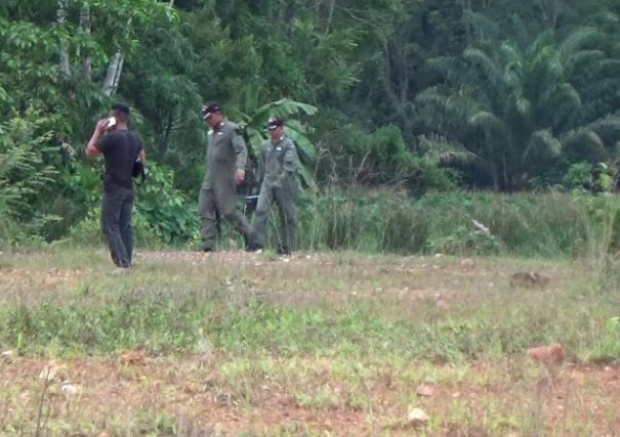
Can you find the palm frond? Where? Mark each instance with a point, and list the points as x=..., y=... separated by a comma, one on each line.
x=542, y=145
x=443, y=151
x=450, y=103
x=545, y=39
x=608, y=126
x=286, y=106
x=481, y=25
x=485, y=63
x=585, y=144
x=297, y=133
x=602, y=87
x=524, y=106
x=610, y=67
x=490, y=124
x=307, y=179
x=575, y=42
x=562, y=101
x=446, y=66
x=513, y=74
x=510, y=54
x=521, y=31
x=587, y=57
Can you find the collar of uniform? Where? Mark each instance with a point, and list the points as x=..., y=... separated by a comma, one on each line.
x=218, y=127
x=279, y=141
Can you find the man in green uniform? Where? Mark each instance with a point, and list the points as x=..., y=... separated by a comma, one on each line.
x=226, y=161
x=279, y=162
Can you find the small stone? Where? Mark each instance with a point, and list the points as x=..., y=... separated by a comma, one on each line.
x=417, y=418
x=468, y=264
x=24, y=398
x=425, y=391
x=207, y=356
x=132, y=357
x=7, y=356
x=553, y=354
x=69, y=390
x=53, y=371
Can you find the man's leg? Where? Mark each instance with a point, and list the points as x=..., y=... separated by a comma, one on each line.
x=286, y=199
x=226, y=195
x=209, y=217
x=261, y=216
x=126, y=225
x=110, y=225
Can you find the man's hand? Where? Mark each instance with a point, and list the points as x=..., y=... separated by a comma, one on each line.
x=101, y=126
x=239, y=176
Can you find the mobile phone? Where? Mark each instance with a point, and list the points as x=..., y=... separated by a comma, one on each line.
x=111, y=122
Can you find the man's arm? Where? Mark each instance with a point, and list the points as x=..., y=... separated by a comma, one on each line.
x=291, y=160
x=94, y=148
x=138, y=141
x=240, y=150
x=241, y=153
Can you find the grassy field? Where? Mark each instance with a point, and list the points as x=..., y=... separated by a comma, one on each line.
x=332, y=344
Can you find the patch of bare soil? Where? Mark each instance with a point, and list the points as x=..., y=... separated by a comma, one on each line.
x=113, y=391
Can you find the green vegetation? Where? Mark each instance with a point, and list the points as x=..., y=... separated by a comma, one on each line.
x=383, y=94
x=446, y=145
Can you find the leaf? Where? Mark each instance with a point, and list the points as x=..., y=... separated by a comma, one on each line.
x=486, y=64
x=446, y=152
x=542, y=145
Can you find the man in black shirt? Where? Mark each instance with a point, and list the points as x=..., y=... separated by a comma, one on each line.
x=121, y=149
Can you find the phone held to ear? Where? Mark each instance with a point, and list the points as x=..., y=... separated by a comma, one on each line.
x=111, y=122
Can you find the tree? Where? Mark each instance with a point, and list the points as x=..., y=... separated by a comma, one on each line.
x=512, y=110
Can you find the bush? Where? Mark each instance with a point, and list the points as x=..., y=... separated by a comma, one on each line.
x=24, y=177
x=162, y=215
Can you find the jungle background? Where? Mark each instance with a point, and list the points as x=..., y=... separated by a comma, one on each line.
x=423, y=126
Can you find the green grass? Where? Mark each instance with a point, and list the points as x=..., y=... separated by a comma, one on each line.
x=339, y=340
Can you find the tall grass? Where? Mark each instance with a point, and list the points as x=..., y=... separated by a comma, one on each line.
x=526, y=224
x=553, y=224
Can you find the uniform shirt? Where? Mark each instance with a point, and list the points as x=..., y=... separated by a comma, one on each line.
x=279, y=159
x=226, y=150
x=120, y=150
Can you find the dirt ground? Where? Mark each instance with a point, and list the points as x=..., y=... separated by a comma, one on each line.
x=305, y=395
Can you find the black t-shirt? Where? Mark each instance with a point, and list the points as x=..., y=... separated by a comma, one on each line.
x=120, y=150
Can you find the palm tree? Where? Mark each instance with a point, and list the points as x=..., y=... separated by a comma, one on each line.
x=511, y=110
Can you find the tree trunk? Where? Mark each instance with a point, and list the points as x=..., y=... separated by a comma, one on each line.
x=85, y=25
x=113, y=76
x=330, y=16
x=61, y=19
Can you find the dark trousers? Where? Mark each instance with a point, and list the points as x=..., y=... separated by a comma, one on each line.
x=216, y=204
x=116, y=224
x=284, y=194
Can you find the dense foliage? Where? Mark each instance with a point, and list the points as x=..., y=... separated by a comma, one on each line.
x=435, y=95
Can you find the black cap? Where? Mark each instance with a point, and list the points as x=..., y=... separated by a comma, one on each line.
x=121, y=107
x=210, y=108
x=274, y=123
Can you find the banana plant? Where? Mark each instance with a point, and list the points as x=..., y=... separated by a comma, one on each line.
x=255, y=132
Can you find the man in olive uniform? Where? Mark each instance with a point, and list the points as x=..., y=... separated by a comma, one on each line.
x=226, y=161
x=279, y=185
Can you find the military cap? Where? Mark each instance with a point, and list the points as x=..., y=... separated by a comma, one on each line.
x=210, y=108
x=274, y=122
